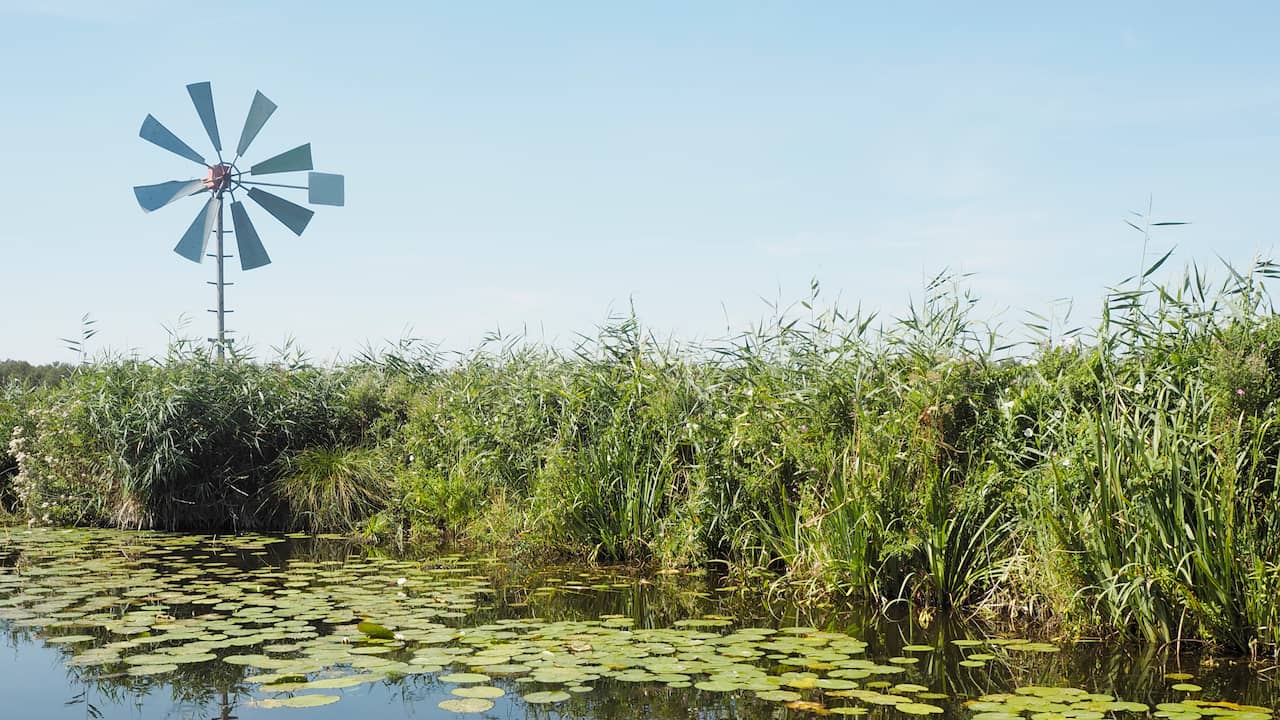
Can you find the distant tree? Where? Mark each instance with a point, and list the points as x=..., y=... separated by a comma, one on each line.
x=28, y=375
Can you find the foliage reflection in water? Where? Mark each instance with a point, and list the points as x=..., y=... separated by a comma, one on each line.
x=247, y=626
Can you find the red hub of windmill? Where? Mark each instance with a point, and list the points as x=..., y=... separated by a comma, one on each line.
x=218, y=178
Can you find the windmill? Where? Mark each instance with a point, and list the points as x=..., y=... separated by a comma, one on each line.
x=222, y=180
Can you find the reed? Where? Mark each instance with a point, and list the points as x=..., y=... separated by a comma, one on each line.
x=1121, y=480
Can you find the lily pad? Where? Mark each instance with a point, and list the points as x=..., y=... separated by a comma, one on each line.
x=466, y=705
x=304, y=701
x=479, y=691
x=545, y=697
x=464, y=678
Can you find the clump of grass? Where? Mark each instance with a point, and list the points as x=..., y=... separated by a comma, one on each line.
x=330, y=489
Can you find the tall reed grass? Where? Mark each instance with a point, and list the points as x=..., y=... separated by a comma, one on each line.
x=1122, y=480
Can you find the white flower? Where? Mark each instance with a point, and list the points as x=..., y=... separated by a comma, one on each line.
x=1027, y=433
x=402, y=581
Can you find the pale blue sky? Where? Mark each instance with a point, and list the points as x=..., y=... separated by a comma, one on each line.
x=538, y=164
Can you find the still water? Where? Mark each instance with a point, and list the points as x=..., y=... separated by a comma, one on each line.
x=109, y=624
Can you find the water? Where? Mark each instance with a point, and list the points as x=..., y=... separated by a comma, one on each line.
x=109, y=624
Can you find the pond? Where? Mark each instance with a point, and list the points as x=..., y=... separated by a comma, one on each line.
x=111, y=624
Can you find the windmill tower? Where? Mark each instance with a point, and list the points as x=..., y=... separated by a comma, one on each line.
x=222, y=181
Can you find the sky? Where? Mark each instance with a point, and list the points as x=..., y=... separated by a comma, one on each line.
x=536, y=167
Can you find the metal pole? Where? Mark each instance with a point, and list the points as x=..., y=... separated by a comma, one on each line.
x=222, y=327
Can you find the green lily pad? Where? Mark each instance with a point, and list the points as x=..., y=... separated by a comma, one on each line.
x=479, y=691
x=549, y=696
x=464, y=678
x=69, y=639
x=152, y=669
x=466, y=705
x=912, y=708
x=299, y=701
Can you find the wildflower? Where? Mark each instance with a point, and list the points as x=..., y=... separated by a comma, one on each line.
x=402, y=581
x=1139, y=387
x=1006, y=405
x=1027, y=433
x=804, y=428
x=1066, y=462
x=1240, y=392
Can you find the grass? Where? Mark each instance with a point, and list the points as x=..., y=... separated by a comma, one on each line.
x=332, y=489
x=1119, y=481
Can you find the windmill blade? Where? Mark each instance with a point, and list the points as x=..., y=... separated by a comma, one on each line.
x=194, y=240
x=154, y=197
x=293, y=160
x=295, y=217
x=152, y=131
x=252, y=254
x=202, y=97
x=259, y=111
x=325, y=189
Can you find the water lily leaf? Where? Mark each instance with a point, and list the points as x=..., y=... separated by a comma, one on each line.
x=69, y=639
x=464, y=678
x=918, y=708
x=479, y=691
x=307, y=701
x=466, y=705
x=152, y=669
x=374, y=630
x=808, y=706
x=549, y=696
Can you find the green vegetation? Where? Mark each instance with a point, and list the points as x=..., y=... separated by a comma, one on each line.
x=1120, y=481
x=20, y=372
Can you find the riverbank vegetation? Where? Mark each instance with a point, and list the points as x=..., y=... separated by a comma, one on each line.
x=1121, y=480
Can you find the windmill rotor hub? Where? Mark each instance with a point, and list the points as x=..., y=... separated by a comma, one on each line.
x=218, y=177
